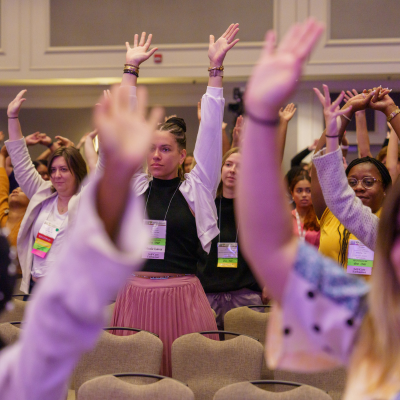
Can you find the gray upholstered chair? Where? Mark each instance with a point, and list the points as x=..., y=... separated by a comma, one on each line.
x=333, y=382
x=17, y=312
x=250, y=322
x=248, y=391
x=207, y=365
x=141, y=352
x=110, y=387
x=9, y=333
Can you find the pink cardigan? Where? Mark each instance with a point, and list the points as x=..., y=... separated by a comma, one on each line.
x=67, y=312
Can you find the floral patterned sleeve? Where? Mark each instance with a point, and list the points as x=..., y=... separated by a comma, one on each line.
x=322, y=309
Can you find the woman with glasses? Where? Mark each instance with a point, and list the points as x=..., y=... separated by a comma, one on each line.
x=348, y=202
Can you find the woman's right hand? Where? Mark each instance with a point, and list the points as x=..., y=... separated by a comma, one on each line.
x=331, y=110
x=15, y=105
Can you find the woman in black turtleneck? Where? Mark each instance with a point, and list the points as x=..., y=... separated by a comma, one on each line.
x=228, y=282
x=166, y=297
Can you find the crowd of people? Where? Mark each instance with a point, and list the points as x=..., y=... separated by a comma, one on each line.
x=173, y=236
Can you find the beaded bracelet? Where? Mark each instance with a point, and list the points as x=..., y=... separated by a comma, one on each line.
x=131, y=71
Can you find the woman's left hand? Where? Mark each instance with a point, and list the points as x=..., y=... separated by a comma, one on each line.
x=217, y=49
x=140, y=51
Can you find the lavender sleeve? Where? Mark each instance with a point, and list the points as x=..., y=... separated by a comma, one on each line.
x=341, y=199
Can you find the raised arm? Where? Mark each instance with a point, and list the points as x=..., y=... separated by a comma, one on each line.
x=285, y=115
x=237, y=132
x=392, y=158
x=354, y=104
x=267, y=233
x=90, y=152
x=364, y=148
x=208, y=149
x=135, y=56
x=339, y=196
x=25, y=173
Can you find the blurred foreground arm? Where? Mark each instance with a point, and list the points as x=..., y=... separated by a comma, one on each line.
x=267, y=239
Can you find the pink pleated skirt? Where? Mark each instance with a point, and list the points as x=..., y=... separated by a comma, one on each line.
x=168, y=307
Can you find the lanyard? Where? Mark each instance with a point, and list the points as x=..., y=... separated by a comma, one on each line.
x=148, y=196
x=302, y=232
x=219, y=223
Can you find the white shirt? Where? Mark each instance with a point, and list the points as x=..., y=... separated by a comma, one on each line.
x=49, y=212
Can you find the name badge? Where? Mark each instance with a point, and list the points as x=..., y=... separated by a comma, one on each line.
x=45, y=238
x=156, y=248
x=227, y=255
x=359, y=259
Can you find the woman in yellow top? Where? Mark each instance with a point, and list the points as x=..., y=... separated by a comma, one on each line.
x=356, y=198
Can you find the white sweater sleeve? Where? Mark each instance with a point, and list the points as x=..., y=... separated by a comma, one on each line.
x=67, y=312
x=208, y=149
x=340, y=198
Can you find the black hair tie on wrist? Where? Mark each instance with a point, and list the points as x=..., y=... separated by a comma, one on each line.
x=333, y=136
x=12, y=117
x=265, y=122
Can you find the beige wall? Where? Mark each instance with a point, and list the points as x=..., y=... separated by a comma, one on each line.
x=67, y=52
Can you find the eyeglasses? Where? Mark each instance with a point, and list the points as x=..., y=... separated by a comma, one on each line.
x=366, y=182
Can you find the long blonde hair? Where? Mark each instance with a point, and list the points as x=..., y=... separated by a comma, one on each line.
x=378, y=344
x=224, y=158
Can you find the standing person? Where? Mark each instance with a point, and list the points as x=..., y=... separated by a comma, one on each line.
x=349, y=202
x=305, y=223
x=226, y=277
x=47, y=217
x=323, y=317
x=166, y=297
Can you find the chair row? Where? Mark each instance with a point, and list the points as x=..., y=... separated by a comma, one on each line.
x=116, y=387
x=244, y=320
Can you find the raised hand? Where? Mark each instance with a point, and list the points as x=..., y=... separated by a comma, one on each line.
x=237, y=132
x=64, y=142
x=125, y=134
x=331, y=110
x=15, y=105
x=217, y=49
x=45, y=140
x=276, y=74
x=381, y=101
x=140, y=51
x=314, y=144
x=286, y=114
x=32, y=139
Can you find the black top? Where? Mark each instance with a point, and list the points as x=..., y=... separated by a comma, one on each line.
x=215, y=279
x=183, y=248
x=298, y=158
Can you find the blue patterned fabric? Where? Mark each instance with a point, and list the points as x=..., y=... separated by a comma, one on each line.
x=331, y=279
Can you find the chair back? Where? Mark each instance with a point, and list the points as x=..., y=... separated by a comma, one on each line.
x=141, y=352
x=332, y=382
x=9, y=333
x=16, y=313
x=250, y=322
x=248, y=391
x=111, y=387
x=207, y=365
